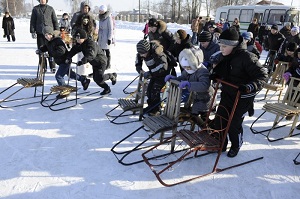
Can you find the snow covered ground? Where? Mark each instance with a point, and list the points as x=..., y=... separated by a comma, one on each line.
x=66, y=154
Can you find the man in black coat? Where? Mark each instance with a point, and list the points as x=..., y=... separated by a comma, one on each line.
x=43, y=15
x=94, y=55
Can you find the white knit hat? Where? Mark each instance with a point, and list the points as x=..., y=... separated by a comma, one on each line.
x=295, y=29
x=103, y=8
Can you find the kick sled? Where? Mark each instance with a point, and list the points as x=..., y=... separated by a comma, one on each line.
x=192, y=154
x=22, y=84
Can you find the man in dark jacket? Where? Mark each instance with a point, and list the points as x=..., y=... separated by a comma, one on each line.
x=58, y=50
x=241, y=68
x=8, y=26
x=254, y=28
x=43, y=15
x=95, y=56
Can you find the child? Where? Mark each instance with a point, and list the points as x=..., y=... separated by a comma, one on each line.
x=156, y=61
x=57, y=49
x=8, y=26
x=289, y=53
x=249, y=41
x=241, y=68
x=294, y=69
x=64, y=22
x=195, y=78
x=95, y=56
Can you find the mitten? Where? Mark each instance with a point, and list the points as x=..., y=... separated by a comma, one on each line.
x=4, y=36
x=168, y=77
x=287, y=76
x=147, y=75
x=68, y=61
x=79, y=63
x=184, y=84
x=109, y=42
x=33, y=35
x=246, y=88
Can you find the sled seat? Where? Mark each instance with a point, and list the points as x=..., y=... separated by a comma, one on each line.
x=129, y=104
x=63, y=90
x=160, y=122
x=202, y=140
x=282, y=109
x=30, y=82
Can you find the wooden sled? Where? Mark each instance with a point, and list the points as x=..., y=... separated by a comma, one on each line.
x=204, y=144
x=34, y=83
x=289, y=107
x=129, y=104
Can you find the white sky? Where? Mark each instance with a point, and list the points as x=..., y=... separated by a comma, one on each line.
x=121, y=5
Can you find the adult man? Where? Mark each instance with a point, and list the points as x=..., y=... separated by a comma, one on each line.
x=43, y=15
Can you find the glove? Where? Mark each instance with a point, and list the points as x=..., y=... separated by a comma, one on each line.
x=287, y=76
x=213, y=77
x=38, y=52
x=168, y=77
x=79, y=63
x=246, y=88
x=68, y=61
x=276, y=61
x=33, y=35
x=4, y=36
x=147, y=75
x=109, y=42
x=184, y=84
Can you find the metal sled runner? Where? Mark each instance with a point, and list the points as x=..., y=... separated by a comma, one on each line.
x=208, y=142
x=288, y=108
x=36, y=82
x=130, y=104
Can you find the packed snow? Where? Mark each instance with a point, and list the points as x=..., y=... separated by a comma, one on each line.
x=66, y=154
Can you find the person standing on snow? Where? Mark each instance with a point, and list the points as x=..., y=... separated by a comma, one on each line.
x=8, y=26
x=43, y=15
x=105, y=33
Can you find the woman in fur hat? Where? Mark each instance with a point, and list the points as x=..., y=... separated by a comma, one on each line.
x=241, y=68
x=195, y=78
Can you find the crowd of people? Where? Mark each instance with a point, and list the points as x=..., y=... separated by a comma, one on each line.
x=215, y=50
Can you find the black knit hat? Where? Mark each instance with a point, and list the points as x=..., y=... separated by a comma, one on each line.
x=181, y=34
x=80, y=33
x=274, y=26
x=153, y=22
x=292, y=46
x=143, y=46
x=218, y=30
x=205, y=36
x=48, y=29
x=229, y=37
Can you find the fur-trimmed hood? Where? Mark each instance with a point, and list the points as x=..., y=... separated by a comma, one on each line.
x=162, y=26
x=193, y=56
x=157, y=47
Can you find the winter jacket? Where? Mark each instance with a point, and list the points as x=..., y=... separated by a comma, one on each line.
x=195, y=25
x=254, y=28
x=285, y=31
x=41, y=16
x=200, y=85
x=105, y=32
x=164, y=36
x=251, y=47
x=56, y=49
x=294, y=69
x=274, y=41
x=208, y=51
x=290, y=39
x=89, y=28
x=65, y=23
x=77, y=14
x=156, y=61
x=241, y=67
x=8, y=25
x=177, y=48
x=91, y=52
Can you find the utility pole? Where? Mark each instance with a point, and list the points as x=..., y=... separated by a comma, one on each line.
x=139, y=11
x=7, y=10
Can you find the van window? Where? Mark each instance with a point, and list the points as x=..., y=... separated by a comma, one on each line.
x=246, y=15
x=275, y=15
x=233, y=13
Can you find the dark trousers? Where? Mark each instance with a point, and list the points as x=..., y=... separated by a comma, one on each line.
x=99, y=77
x=107, y=53
x=235, y=132
x=41, y=40
x=153, y=92
x=63, y=70
x=12, y=37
